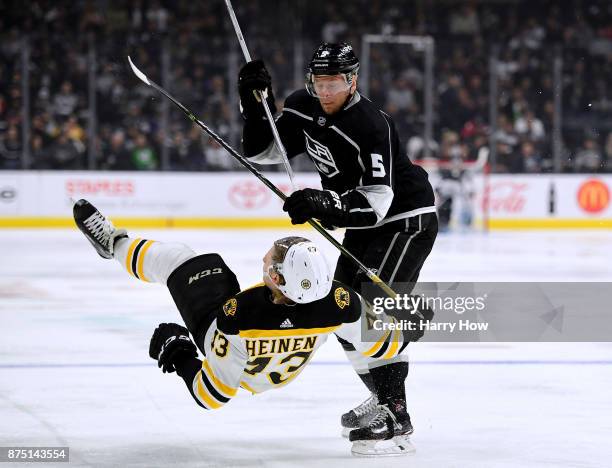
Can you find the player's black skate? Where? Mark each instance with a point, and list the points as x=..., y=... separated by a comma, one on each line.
x=97, y=229
x=387, y=433
x=359, y=416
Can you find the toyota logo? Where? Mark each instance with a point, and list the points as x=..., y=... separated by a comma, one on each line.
x=248, y=195
x=7, y=194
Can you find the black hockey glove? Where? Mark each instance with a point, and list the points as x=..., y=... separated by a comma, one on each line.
x=254, y=77
x=324, y=205
x=170, y=344
x=419, y=327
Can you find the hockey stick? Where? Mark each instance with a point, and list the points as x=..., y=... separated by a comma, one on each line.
x=242, y=160
x=262, y=98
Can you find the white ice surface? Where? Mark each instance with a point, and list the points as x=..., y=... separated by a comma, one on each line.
x=74, y=369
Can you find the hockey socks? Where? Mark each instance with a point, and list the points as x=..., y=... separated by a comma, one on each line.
x=389, y=381
x=149, y=260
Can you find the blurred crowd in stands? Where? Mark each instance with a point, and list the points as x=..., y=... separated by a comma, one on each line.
x=134, y=129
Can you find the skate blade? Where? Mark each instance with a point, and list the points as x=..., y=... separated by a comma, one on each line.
x=398, y=446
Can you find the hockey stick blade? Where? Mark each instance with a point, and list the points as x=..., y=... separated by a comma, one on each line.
x=208, y=130
x=138, y=73
x=247, y=164
x=158, y=88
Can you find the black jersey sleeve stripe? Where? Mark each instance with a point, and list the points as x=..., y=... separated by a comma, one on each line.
x=356, y=199
x=367, y=204
x=361, y=212
x=293, y=111
x=200, y=393
x=378, y=197
x=212, y=390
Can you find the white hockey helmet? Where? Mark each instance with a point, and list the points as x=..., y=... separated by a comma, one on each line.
x=306, y=276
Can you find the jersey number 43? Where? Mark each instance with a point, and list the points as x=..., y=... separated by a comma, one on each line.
x=291, y=363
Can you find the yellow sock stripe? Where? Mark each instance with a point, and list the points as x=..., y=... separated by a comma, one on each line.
x=376, y=347
x=393, y=346
x=203, y=394
x=219, y=386
x=247, y=387
x=128, y=258
x=141, y=256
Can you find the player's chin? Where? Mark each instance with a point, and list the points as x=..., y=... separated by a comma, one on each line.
x=329, y=108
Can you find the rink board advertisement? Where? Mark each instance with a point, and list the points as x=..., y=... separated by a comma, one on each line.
x=543, y=201
x=239, y=200
x=43, y=199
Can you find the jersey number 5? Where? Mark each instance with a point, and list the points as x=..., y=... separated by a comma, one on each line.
x=378, y=168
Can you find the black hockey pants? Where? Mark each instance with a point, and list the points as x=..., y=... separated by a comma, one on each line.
x=397, y=251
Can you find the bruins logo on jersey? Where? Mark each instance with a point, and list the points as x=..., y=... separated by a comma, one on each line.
x=229, y=308
x=343, y=298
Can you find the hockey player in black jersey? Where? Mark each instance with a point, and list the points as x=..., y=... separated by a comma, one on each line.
x=257, y=339
x=369, y=186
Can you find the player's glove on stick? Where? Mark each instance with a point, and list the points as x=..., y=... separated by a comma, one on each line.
x=254, y=77
x=419, y=324
x=324, y=205
x=170, y=344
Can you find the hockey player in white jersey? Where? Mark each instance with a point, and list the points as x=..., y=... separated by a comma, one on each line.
x=256, y=339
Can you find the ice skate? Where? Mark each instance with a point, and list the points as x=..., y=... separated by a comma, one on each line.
x=359, y=416
x=387, y=433
x=97, y=229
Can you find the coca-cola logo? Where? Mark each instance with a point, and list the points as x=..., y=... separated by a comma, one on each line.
x=100, y=187
x=505, y=197
x=248, y=195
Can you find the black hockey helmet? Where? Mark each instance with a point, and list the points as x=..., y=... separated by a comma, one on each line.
x=332, y=59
